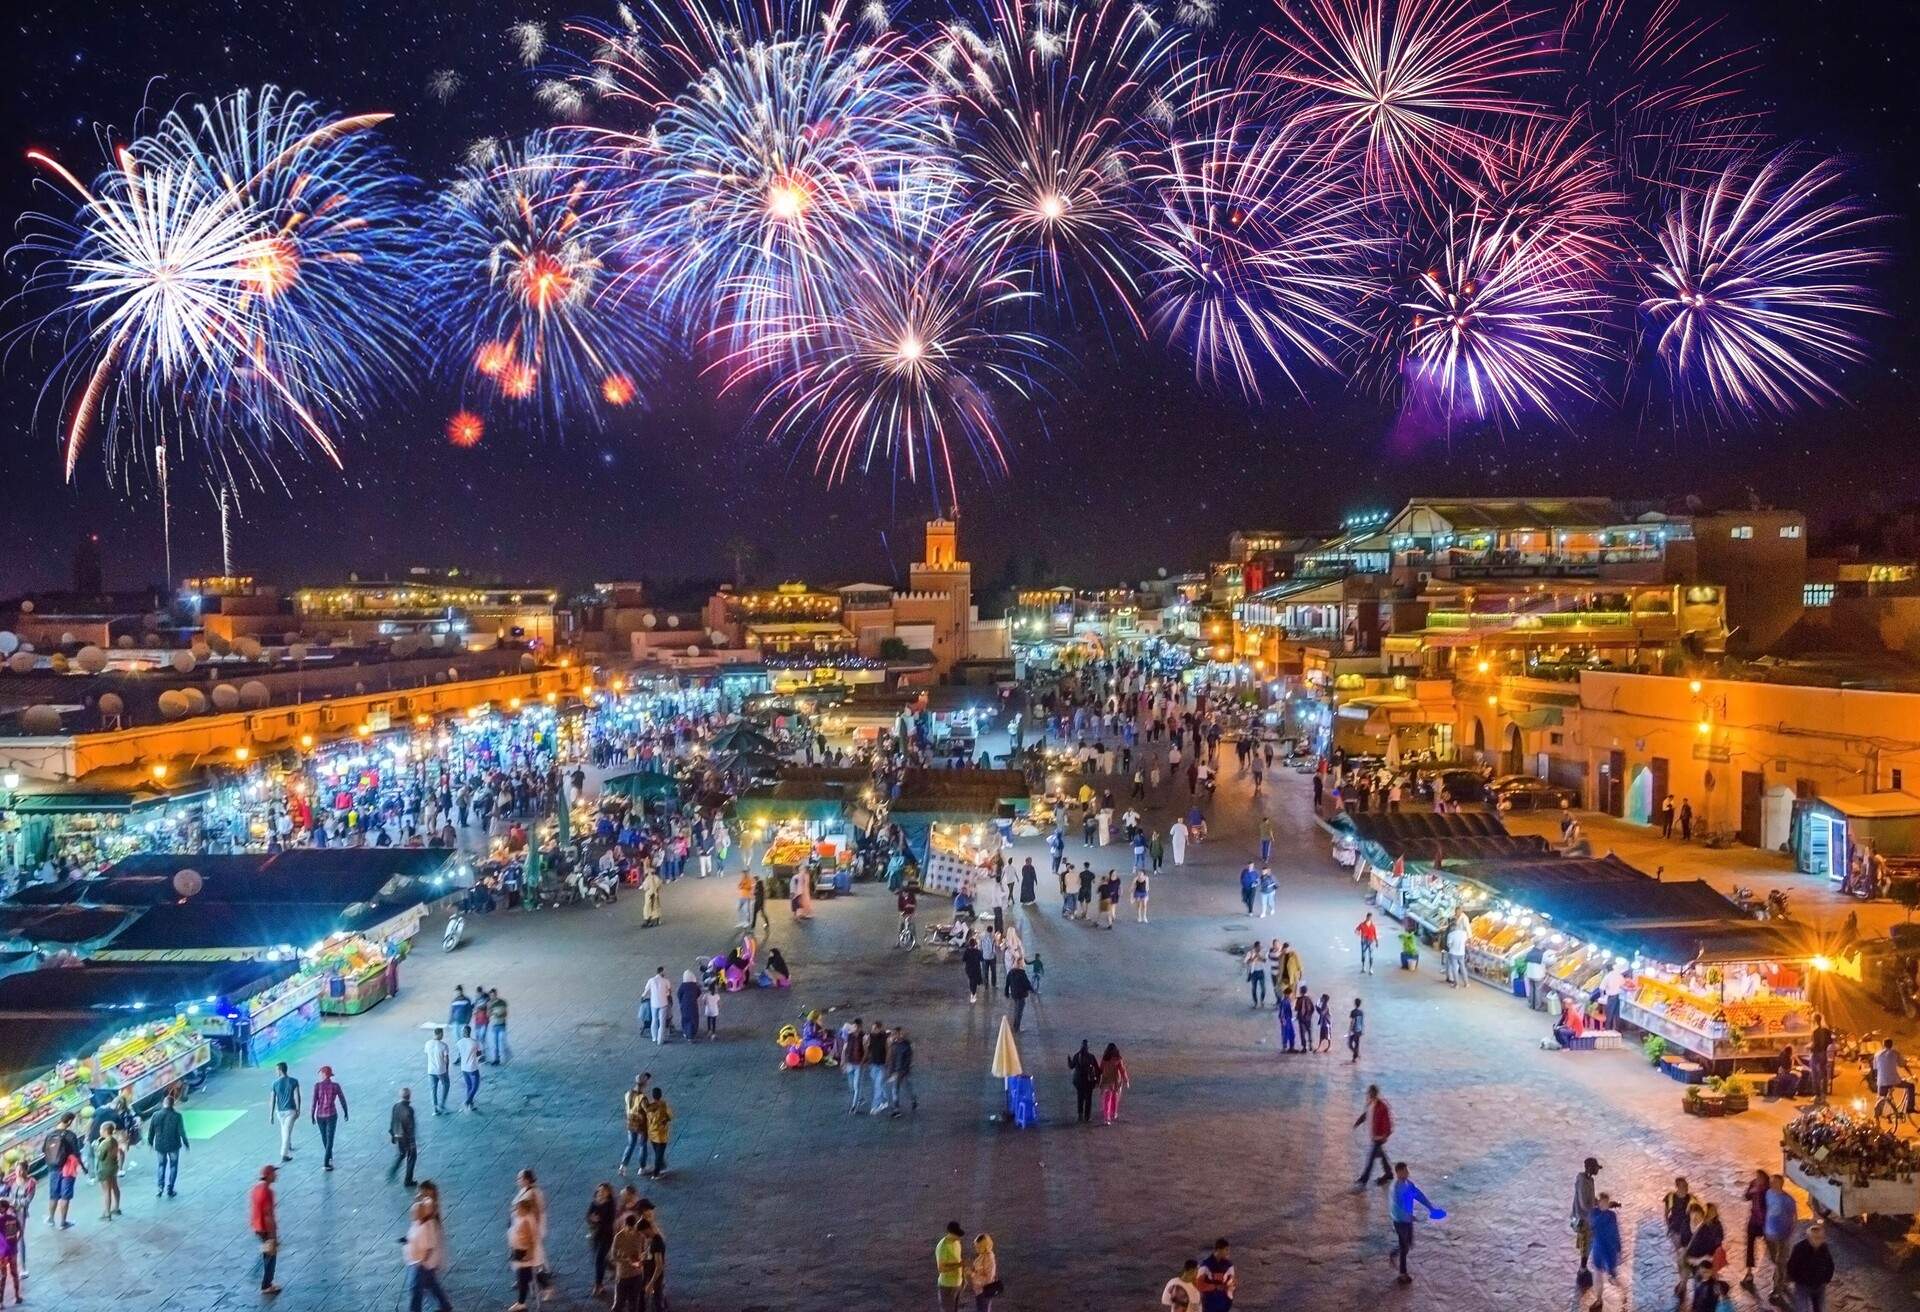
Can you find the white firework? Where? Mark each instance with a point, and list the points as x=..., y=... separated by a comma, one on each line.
x=560, y=98
x=1047, y=43
x=529, y=40
x=1197, y=13
x=443, y=85
x=875, y=14
x=627, y=20
x=480, y=152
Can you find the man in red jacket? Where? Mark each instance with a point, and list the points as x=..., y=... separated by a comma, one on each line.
x=1379, y=1117
x=266, y=1229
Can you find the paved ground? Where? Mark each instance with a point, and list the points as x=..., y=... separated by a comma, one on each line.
x=778, y=1199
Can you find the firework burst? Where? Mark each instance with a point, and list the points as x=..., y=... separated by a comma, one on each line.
x=1053, y=134
x=1410, y=87
x=517, y=277
x=906, y=371
x=238, y=276
x=1760, y=287
x=1255, y=254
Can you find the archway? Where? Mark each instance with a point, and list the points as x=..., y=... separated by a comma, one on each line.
x=1514, y=759
x=1479, y=736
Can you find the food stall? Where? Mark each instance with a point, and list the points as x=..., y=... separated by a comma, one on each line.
x=106, y=815
x=355, y=972
x=250, y=1027
x=1849, y=1166
x=801, y=824
x=958, y=855
x=1726, y=992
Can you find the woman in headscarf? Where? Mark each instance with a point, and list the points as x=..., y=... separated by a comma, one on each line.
x=1113, y=1082
x=983, y=1274
x=688, y=998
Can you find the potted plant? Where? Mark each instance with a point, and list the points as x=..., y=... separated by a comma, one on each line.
x=1654, y=1047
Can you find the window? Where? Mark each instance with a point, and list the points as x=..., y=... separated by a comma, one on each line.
x=1742, y=532
x=1556, y=740
x=1896, y=778
x=1816, y=594
x=1789, y=530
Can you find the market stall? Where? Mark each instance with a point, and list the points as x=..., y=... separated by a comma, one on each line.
x=95, y=821
x=799, y=825
x=1849, y=1166
x=1726, y=992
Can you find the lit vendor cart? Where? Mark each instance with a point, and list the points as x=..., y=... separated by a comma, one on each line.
x=802, y=824
x=1850, y=1168
x=1732, y=991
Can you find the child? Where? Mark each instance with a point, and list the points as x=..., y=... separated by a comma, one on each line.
x=1326, y=1023
x=710, y=1008
x=1356, y=1026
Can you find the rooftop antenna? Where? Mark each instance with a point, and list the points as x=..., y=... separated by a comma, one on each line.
x=166, y=521
x=226, y=539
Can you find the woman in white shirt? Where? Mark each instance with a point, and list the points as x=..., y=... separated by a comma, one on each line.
x=526, y=1249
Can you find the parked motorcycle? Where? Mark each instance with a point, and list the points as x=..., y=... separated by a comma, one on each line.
x=456, y=927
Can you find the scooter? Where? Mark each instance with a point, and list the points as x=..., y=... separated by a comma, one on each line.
x=456, y=927
x=1777, y=905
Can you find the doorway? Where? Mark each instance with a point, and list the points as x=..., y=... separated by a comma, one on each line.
x=1826, y=846
x=1640, y=802
x=1513, y=760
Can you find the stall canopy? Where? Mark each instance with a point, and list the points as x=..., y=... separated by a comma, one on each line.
x=1402, y=825
x=812, y=800
x=61, y=929
x=127, y=988
x=1587, y=897
x=340, y=875
x=1710, y=941
x=107, y=791
x=743, y=738
x=1425, y=836
x=642, y=786
x=217, y=931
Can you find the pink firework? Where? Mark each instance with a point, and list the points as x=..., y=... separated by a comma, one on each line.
x=1411, y=86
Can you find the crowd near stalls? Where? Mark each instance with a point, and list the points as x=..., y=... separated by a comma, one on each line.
x=1606, y=949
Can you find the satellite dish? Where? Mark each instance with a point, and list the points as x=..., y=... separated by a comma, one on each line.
x=67, y=639
x=200, y=650
x=39, y=721
x=9, y=642
x=124, y=642
x=673, y=621
x=253, y=693
x=248, y=647
x=187, y=882
x=149, y=639
x=649, y=620
x=182, y=662
x=111, y=703
x=290, y=637
x=359, y=688
x=26, y=608
x=219, y=645
x=718, y=638
x=297, y=652
x=91, y=659
x=225, y=696
x=173, y=704
x=693, y=649
x=196, y=701
x=527, y=661
x=21, y=662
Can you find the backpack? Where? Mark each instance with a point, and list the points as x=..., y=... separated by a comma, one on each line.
x=54, y=1150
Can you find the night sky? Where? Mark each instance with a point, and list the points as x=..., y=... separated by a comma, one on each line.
x=1130, y=466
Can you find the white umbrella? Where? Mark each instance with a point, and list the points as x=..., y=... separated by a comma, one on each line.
x=1006, y=1057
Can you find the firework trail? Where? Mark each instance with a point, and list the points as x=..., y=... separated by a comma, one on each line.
x=444, y=85
x=529, y=41
x=516, y=279
x=1760, y=286
x=239, y=274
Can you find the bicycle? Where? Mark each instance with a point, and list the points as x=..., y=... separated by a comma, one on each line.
x=1890, y=1115
x=907, y=938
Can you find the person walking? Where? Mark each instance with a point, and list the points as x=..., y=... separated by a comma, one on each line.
x=1181, y=1293
x=760, y=916
x=426, y=1254
x=659, y=1117
x=1601, y=1246
x=1783, y=1214
x=1266, y=840
x=283, y=1103
x=60, y=1150
x=687, y=999
x=109, y=1152
x=1457, y=952
x=13, y=1235
x=1269, y=891
x=18, y=1188
x=167, y=1136
x=983, y=1274
x=601, y=1210
x=900, y=1071
x=526, y=1251
x=403, y=1132
x=1085, y=1070
x=1303, y=1017
x=635, y=1104
x=1177, y=837
x=1285, y=964
x=949, y=1268
x=1113, y=1083
x=1675, y=1211
x=853, y=1059
x=1249, y=886
x=991, y=951
x=439, y=1070
x=499, y=1051
x=1217, y=1279
x=1323, y=1018
x=970, y=962
x=1140, y=892
x=466, y=1055
x=1401, y=1201
x=1256, y=963
x=329, y=1109
x=1356, y=1027
x=265, y=1226
x=658, y=998
x=877, y=1046
x=1686, y=820
x=1369, y=935
x=1019, y=989
x=1377, y=1116
x=1581, y=1215
x=629, y=1258
x=743, y=900
x=1809, y=1267
x=1756, y=1197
